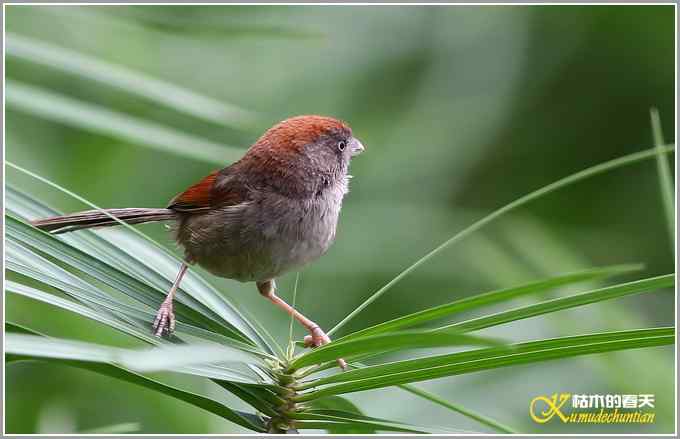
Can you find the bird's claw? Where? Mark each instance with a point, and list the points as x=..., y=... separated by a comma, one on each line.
x=319, y=338
x=316, y=338
x=165, y=320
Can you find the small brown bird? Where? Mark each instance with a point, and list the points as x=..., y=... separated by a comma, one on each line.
x=273, y=211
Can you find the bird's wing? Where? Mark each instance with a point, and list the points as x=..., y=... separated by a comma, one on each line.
x=216, y=189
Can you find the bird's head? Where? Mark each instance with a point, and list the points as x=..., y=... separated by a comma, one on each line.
x=319, y=143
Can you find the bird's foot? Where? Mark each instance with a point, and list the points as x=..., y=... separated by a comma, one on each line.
x=319, y=338
x=165, y=320
x=316, y=338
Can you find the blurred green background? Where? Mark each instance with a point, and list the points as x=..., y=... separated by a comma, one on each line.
x=462, y=109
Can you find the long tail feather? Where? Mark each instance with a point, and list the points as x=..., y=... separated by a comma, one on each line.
x=97, y=218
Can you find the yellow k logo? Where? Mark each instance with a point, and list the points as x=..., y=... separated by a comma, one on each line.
x=552, y=407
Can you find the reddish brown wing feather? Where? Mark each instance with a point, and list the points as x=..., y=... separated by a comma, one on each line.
x=205, y=195
x=197, y=197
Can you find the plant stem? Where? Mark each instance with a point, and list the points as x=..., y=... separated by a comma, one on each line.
x=282, y=423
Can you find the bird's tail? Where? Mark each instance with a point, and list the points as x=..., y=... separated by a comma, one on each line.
x=97, y=218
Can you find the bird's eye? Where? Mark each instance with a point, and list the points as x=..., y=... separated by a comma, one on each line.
x=342, y=145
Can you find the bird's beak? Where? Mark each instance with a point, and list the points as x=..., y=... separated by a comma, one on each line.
x=356, y=147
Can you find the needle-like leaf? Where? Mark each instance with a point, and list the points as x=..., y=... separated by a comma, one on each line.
x=389, y=342
x=599, y=295
x=243, y=419
x=427, y=368
x=665, y=179
x=55, y=107
x=113, y=75
x=491, y=298
x=176, y=358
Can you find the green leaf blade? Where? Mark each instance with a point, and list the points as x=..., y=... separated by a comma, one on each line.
x=190, y=359
x=665, y=179
x=493, y=297
x=388, y=342
x=411, y=371
x=112, y=75
x=55, y=107
x=607, y=293
x=33, y=238
x=246, y=420
x=381, y=370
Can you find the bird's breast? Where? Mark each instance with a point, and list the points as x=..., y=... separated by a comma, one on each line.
x=302, y=231
x=266, y=237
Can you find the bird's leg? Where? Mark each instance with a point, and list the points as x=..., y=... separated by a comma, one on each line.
x=165, y=319
x=317, y=337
